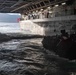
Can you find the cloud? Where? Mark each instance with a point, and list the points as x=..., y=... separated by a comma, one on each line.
x=13, y=13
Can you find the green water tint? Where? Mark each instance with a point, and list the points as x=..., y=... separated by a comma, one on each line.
x=71, y=66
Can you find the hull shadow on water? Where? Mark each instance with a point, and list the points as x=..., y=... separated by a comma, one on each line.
x=28, y=57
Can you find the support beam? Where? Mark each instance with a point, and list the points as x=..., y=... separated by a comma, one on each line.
x=20, y=1
x=20, y=7
x=4, y=8
x=3, y=3
x=27, y=3
x=55, y=2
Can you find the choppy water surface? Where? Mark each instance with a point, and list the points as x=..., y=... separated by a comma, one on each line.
x=28, y=57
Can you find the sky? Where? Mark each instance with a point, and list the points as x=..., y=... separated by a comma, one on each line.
x=9, y=17
x=9, y=22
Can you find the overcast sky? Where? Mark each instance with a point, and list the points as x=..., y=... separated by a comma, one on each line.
x=9, y=17
x=9, y=23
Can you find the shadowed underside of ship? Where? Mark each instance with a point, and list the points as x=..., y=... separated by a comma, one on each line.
x=21, y=6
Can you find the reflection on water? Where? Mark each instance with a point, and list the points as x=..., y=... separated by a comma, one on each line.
x=28, y=57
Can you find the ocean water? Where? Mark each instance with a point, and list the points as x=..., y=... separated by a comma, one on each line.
x=9, y=27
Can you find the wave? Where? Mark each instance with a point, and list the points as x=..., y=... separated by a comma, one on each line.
x=9, y=27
